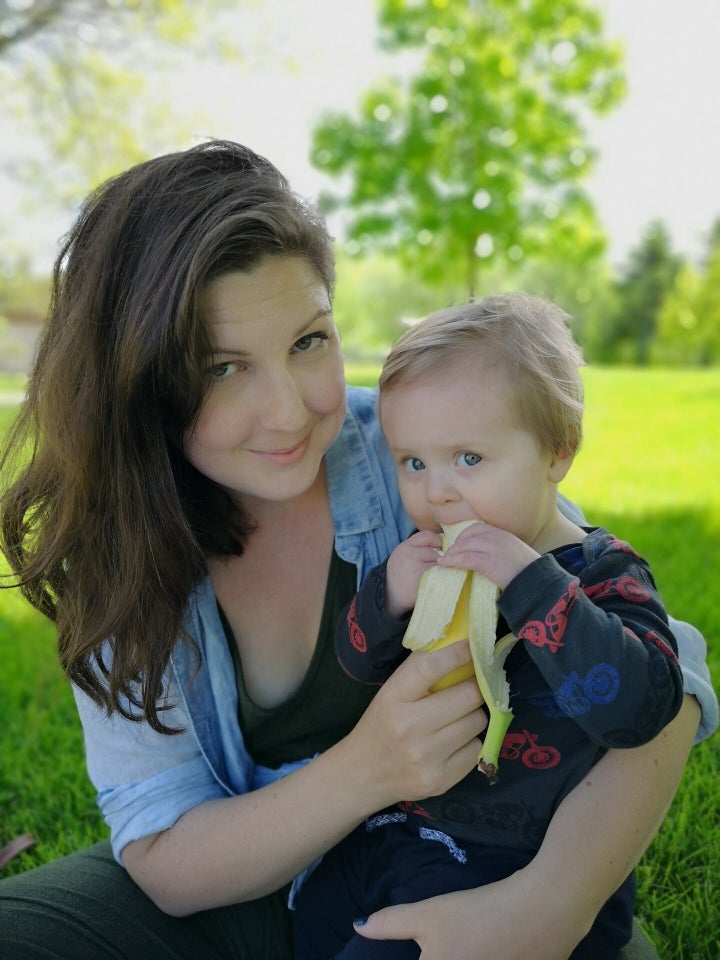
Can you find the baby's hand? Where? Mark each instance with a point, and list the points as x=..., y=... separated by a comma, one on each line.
x=406, y=564
x=493, y=552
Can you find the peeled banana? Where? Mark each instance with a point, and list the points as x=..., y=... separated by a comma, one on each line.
x=454, y=604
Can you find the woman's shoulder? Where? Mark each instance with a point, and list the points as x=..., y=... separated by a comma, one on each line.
x=361, y=438
x=362, y=484
x=362, y=404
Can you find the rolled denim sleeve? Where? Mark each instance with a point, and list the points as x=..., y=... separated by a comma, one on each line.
x=145, y=781
x=692, y=653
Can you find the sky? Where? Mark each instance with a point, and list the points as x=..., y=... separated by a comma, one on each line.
x=659, y=151
x=661, y=148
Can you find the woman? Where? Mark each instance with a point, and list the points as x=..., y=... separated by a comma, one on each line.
x=202, y=493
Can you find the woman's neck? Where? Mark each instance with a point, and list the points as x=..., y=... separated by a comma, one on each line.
x=285, y=514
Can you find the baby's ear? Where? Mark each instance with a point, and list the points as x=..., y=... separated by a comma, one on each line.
x=559, y=466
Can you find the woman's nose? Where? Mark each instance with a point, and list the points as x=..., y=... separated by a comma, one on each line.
x=283, y=406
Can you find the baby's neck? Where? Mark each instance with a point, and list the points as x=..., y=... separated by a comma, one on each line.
x=557, y=532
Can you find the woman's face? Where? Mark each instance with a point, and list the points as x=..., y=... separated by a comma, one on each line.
x=276, y=399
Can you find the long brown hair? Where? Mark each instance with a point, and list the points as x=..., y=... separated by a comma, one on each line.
x=105, y=524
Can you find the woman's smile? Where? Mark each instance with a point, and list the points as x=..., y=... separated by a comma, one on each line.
x=285, y=457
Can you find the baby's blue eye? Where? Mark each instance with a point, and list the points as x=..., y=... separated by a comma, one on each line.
x=469, y=459
x=413, y=464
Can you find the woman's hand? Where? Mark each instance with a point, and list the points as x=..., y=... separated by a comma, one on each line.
x=624, y=799
x=484, y=924
x=408, y=745
x=411, y=744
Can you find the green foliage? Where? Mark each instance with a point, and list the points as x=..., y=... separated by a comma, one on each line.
x=587, y=295
x=689, y=320
x=479, y=153
x=45, y=28
x=14, y=384
x=75, y=76
x=20, y=290
x=375, y=295
x=703, y=336
x=648, y=277
x=106, y=121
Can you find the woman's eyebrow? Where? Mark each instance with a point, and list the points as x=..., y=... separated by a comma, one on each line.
x=228, y=352
x=320, y=315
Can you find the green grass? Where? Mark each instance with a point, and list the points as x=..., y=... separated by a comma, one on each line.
x=649, y=469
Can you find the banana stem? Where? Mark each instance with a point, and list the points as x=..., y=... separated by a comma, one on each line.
x=492, y=743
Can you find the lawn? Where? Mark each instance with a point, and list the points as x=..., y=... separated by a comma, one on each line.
x=648, y=469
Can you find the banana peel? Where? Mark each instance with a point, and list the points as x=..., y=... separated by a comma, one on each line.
x=454, y=604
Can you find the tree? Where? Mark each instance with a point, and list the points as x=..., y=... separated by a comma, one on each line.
x=51, y=22
x=588, y=295
x=689, y=319
x=375, y=297
x=704, y=335
x=74, y=79
x=645, y=282
x=479, y=153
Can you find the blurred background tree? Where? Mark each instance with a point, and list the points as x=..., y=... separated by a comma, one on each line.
x=475, y=150
x=374, y=298
x=688, y=322
x=464, y=171
x=82, y=99
x=76, y=78
x=643, y=287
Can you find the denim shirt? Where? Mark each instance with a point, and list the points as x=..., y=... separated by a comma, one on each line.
x=146, y=780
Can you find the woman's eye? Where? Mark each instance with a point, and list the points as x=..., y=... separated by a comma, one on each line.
x=311, y=341
x=469, y=459
x=221, y=371
x=413, y=464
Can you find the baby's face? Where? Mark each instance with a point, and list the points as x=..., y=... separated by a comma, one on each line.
x=461, y=453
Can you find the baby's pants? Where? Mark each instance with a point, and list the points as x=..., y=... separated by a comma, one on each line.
x=404, y=862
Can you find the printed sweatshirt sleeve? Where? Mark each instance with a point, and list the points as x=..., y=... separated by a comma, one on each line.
x=368, y=643
x=599, y=635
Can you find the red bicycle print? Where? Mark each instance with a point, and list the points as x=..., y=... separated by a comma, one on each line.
x=535, y=757
x=549, y=633
x=357, y=637
x=626, y=587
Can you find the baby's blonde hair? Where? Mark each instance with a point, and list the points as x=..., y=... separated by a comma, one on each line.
x=528, y=336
